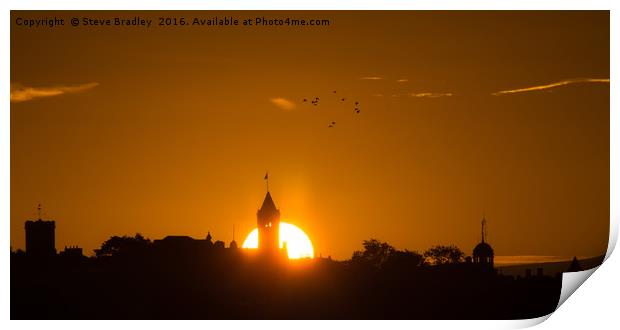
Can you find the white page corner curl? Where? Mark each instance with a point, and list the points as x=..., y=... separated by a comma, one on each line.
x=572, y=281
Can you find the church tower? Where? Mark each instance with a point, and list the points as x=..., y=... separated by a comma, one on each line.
x=268, y=224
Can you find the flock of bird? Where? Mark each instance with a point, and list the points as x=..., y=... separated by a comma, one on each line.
x=315, y=102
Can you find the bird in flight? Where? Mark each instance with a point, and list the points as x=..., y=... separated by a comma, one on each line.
x=315, y=102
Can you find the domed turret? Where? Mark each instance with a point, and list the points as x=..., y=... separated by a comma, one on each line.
x=483, y=252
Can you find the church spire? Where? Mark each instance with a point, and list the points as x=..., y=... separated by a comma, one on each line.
x=268, y=204
x=483, y=232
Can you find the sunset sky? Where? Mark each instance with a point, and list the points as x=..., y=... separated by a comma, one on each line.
x=169, y=130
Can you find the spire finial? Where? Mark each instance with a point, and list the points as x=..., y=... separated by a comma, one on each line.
x=267, y=179
x=482, y=229
x=39, y=211
x=233, y=232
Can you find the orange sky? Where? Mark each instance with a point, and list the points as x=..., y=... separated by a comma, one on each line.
x=169, y=131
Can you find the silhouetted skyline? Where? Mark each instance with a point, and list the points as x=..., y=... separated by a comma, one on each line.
x=462, y=114
x=181, y=277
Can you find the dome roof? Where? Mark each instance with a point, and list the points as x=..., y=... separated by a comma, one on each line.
x=483, y=249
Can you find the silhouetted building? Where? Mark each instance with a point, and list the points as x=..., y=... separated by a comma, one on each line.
x=40, y=237
x=268, y=223
x=180, y=245
x=483, y=253
x=209, y=239
x=186, y=245
x=574, y=266
x=175, y=240
x=72, y=252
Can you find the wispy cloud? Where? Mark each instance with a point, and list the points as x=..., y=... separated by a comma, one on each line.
x=371, y=78
x=553, y=85
x=283, y=103
x=431, y=95
x=402, y=80
x=21, y=93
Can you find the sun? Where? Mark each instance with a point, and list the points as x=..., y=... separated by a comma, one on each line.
x=298, y=243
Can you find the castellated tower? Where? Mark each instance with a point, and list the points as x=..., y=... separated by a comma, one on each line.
x=40, y=237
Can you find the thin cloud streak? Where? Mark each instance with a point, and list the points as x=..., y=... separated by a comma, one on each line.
x=552, y=85
x=283, y=103
x=402, y=80
x=26, y=93
x=371, y=78
x=525, y=260
x=431, y=95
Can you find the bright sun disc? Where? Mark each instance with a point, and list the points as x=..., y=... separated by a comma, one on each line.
x=298, y=243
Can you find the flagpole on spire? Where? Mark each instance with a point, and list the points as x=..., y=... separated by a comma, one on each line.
x=267, y=179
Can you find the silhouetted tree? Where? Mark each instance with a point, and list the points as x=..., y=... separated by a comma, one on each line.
x=375, y=253
x=219, y=245
x=124, y=245
x=443, y=254
x=404, y=259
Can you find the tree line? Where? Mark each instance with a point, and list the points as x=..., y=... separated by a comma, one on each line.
x=374, y=253
x=381, y=254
